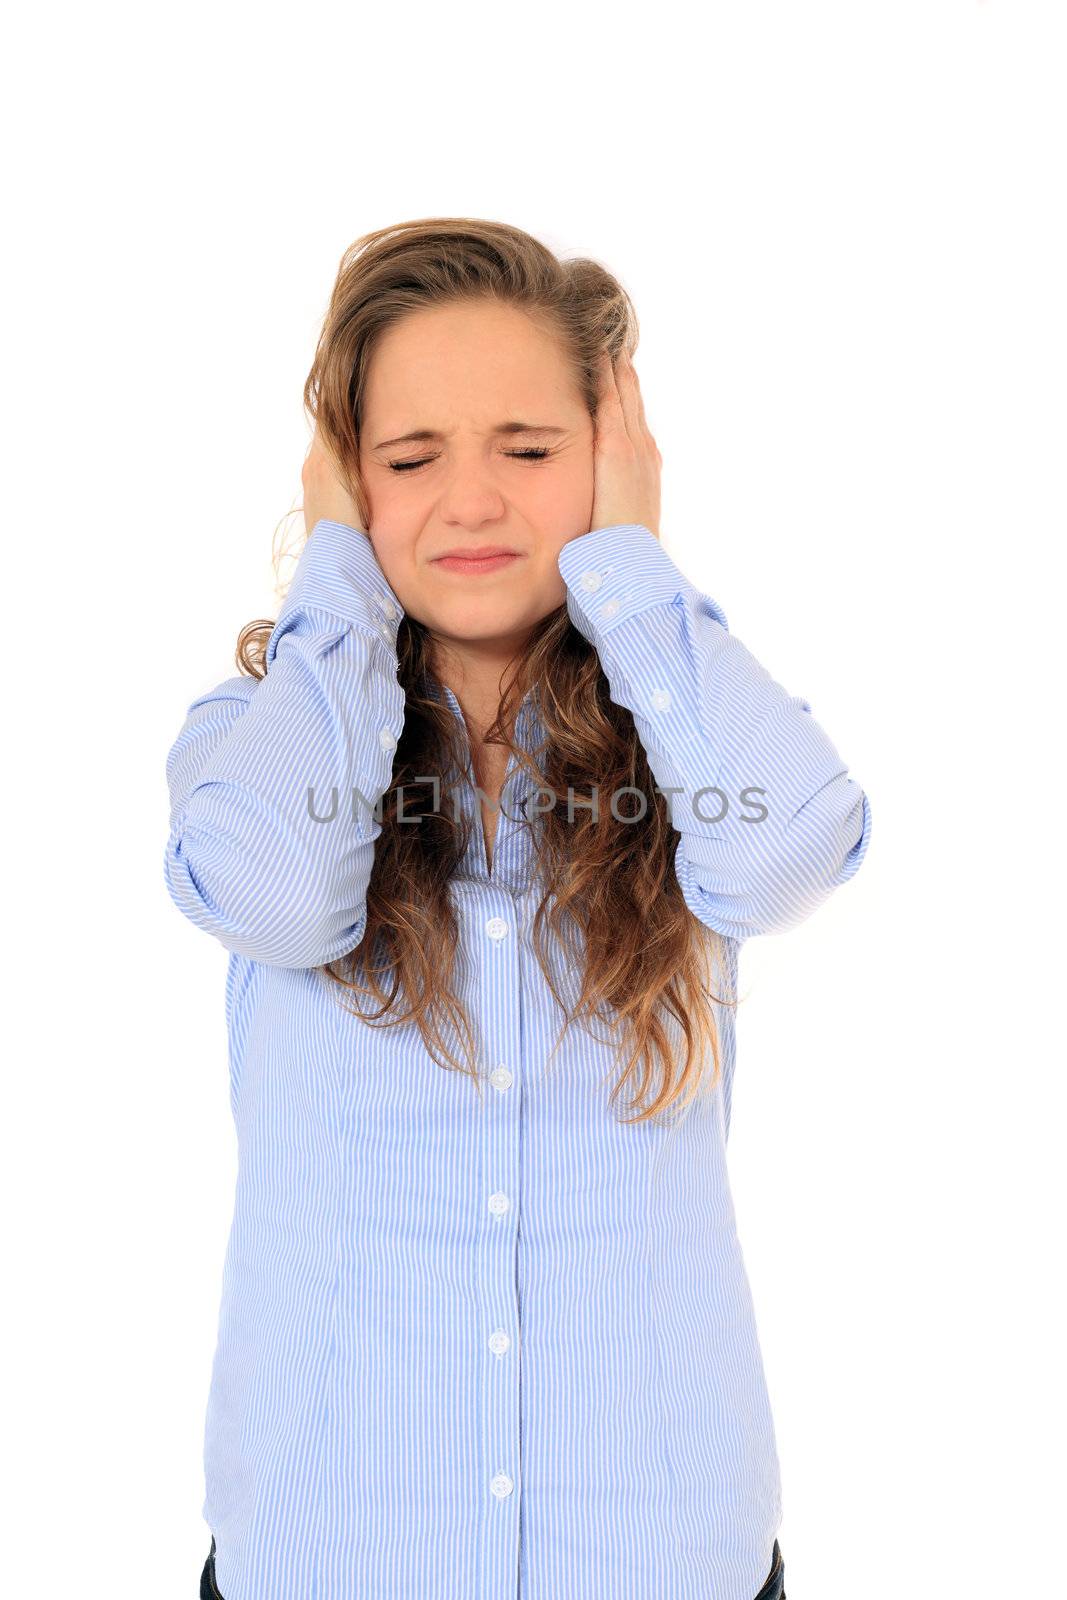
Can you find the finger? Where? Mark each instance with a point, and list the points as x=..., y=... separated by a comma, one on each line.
x=609, y=388
x=609, y=402
x=638, y=396
x=632, y=384
x=629, y=396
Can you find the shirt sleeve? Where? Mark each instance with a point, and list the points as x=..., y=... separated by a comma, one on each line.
x=769, y=820
x=274, y=781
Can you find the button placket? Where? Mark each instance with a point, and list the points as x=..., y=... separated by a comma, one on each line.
x=500, y=1337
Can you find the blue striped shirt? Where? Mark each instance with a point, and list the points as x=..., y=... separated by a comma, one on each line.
x=475, y=1347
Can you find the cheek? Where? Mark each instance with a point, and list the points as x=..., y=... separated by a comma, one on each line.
x=560, y=509
x=574, y=485
x=554, y=593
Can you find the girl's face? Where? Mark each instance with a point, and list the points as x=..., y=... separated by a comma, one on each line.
x=464, y=377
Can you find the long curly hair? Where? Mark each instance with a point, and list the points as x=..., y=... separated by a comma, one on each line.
x=610, y=897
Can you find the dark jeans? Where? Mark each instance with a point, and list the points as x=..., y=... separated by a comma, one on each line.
x=772, y=1590
x=208, y=1588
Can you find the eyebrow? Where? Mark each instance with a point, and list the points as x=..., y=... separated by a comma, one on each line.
x=432, y=435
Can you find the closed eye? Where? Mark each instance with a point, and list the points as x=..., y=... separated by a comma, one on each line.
x=517, y=455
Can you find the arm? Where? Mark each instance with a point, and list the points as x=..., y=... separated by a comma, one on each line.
x=708, y=714
x=245, y=859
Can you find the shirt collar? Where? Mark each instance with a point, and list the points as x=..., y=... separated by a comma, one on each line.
x=527, y=718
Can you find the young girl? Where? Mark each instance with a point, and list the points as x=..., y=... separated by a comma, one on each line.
x=483, y=823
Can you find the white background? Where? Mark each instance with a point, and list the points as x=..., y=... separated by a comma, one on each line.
x=842, y=225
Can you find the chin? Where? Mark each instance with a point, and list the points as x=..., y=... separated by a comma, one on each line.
x=484, y=619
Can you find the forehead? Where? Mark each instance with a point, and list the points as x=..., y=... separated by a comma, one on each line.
x=468, y=366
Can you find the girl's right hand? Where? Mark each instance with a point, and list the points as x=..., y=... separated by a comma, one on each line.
x=325, y=496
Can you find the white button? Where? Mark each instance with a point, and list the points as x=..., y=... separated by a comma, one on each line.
x=386, y=633
x=501, y=1078
x=590, y=580
x=661, y=700
x=499, y=1203
x=388, y=608
x=496, y=928
x=501, y=1486
x=499, y=1341
x=609, y=608
x=386, y=739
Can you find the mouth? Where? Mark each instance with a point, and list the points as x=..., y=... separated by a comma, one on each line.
x=472, y=565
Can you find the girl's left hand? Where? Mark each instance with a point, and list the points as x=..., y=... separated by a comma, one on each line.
x=626, y=460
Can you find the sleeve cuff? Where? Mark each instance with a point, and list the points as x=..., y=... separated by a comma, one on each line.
x=616, y=573
x=339, y=573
